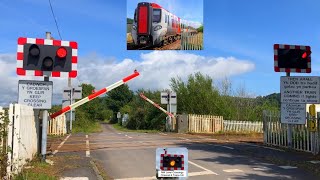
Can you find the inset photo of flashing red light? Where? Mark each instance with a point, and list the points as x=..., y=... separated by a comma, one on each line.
x=165, y=25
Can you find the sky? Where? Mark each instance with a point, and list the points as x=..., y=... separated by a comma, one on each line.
x=238, y=42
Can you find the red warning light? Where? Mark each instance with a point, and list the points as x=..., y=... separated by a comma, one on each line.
x=306, y=54
x=62, y=52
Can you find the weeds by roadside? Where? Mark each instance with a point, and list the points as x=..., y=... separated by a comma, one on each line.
x=36, y=170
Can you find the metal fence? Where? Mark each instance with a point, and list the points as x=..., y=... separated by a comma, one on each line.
x=205, y=123
x=276, y=134
x=191, y=41
x=242, y=126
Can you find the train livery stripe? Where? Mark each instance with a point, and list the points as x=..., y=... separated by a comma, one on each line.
x=143, y=19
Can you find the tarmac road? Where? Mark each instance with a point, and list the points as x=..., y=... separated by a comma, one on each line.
x=130, y=155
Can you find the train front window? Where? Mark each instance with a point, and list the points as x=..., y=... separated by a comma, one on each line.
x=135, y=15
x=156, y=15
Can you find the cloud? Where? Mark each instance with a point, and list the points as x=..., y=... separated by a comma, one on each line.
x=156, y=69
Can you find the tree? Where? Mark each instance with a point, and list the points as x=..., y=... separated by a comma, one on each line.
x=197, y=95
x=91, y=108
x=200, y=29
x=118, y=98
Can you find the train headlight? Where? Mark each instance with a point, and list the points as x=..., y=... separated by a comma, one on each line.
x=134, y=27
x=157, y=27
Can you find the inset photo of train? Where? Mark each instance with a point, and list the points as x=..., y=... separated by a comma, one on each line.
x=165, y=25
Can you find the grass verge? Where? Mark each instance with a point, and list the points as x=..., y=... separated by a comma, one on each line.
x=38, y=170
x=93, y=127
x=120, y=128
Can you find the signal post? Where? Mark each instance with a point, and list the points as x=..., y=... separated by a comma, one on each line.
x=44, y=57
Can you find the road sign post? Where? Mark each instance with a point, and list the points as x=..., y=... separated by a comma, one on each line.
x=119, y=117
x=294, y=58
x=45, y=57
x=169, y=98
x=71, y=99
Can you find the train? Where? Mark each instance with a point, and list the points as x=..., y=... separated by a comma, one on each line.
x=154, y=26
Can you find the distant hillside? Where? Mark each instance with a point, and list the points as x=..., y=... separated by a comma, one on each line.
x=129, y=21
x=273, y=97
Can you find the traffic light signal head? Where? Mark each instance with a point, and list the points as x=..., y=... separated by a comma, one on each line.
x=292, y=58
x=44, y=57
x=172, y=162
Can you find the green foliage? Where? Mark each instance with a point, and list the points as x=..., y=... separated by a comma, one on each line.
x=118, y=98
x=197, y=96
x=129, y=21
x=3, y=137
x=55, y=108
x=143, y=115
x=200, y=29
x=34, y=176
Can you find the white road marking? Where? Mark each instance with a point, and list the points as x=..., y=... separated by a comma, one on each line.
x=261, y=169
x=119, y=133
x=129, y=137
x=227, y=147
x=202, y=167
x=288, y=167
x=87, y=147
x=74, y=178
x=314, y=162
x=126, y=135
x=61, y=144
x=232, y=170
x=223, y=146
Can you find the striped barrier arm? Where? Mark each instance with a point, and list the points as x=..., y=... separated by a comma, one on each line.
x=96, y=94
x=156, y=105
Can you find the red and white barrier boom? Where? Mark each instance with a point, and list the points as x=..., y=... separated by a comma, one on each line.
x=156, y=105
x=94, y=95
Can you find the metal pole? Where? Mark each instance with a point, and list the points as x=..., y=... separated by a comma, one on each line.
x=45, y=120
x=171, y=120
x=71, y=99
x=71, y=91
x=289, y=130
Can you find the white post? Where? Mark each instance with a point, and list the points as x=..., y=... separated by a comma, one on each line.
x=289, y=132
